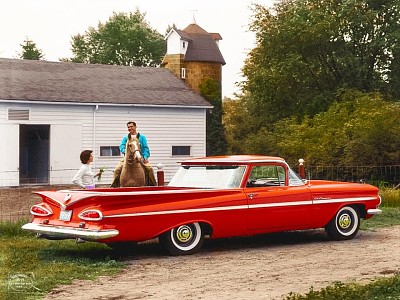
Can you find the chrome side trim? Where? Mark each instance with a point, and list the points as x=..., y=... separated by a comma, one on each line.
x=180, y=211
x=279, y=204
x=334, y=200
x=374, y=211
x=250, y=206
x=70, y=233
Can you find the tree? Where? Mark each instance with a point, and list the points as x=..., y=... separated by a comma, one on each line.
x=126, y=39
x=30, y=51
x=357, y=129
x=210, y=89
x=307, y=50
x=316, y=81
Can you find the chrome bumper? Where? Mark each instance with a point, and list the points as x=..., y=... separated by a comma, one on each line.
x=58, y=232
x=374, y=211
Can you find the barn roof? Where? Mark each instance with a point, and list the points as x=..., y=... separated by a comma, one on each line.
x=43, y=81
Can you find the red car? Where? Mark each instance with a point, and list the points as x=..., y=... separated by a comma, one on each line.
x=216, y=197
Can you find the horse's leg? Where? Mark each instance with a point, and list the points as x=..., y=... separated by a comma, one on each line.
x=149, y=175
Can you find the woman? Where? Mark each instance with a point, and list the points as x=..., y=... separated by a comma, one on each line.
x=85, y=178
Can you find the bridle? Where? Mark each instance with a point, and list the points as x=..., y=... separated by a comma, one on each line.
x=134, y=153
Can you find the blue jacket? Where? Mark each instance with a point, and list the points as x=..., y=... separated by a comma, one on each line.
x=143, y=145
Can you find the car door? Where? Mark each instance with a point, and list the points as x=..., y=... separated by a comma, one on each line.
x=275, y=204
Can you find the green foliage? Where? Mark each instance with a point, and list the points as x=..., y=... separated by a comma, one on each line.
x=210, y=89
x=390, y=197
x=309, y=49
x=322, y=84
x=381, y=289
x=30, y=51
x=126, y=39
x=357, y=129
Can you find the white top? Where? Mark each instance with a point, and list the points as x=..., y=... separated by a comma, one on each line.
x=85, y=177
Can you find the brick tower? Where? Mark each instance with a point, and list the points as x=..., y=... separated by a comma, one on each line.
x=193, y=54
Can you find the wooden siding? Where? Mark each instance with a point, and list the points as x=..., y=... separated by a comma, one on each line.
x=105, y=125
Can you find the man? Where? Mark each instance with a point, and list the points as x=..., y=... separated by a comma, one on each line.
x=142, y=140
x=145, y=151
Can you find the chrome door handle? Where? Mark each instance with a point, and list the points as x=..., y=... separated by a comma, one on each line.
x=252, y=195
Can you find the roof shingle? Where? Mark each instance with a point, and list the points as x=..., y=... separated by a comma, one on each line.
x=90, y=83
x=202, y=46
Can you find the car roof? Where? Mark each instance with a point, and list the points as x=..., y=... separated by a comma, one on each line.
x=232, y=159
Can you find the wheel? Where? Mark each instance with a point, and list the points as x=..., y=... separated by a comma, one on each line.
x=183, y=240
x=344, y=225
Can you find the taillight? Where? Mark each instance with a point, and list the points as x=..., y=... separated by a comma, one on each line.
x=41, y=210
x=91, y=215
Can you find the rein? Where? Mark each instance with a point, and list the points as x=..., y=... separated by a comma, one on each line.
x=131, y=158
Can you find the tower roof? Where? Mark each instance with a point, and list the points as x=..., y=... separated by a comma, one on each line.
x=202, y=46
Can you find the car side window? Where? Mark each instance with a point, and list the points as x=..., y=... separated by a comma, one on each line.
x=263, y=176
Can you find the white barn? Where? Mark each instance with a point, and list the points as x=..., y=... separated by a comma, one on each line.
x=51, y=111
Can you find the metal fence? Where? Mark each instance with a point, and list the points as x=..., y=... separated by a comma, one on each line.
x=64, y=176
x=387, y=176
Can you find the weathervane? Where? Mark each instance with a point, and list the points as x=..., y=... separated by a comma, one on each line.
x=194, y=20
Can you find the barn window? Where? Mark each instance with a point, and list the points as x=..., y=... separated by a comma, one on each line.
x=180, y=150
x=109, y=151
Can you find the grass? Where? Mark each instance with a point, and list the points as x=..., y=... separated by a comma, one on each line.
x=30, y=267
x=391, y=211
x=390, y=197
x=390, y=216
x=381, y=289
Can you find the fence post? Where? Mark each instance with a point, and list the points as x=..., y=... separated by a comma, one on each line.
x=302, y=172
x=160, y=174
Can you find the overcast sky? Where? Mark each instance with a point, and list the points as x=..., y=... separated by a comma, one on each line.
x=51, y=23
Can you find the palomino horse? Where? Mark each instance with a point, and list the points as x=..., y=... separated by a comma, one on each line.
x=132, y=173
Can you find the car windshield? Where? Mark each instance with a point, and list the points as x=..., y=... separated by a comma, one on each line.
x=215, y=177
x=294, y=180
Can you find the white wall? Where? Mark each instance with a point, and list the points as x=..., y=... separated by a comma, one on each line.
x=9, y=154
x=163, y=128
x=175, y=44
x=105, y=126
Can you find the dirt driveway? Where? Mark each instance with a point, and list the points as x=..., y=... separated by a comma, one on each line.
x=262, y=267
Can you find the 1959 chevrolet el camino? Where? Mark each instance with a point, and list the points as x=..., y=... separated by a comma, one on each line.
x=216, y=197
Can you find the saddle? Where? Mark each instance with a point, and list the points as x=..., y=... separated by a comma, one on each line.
x=149, y=177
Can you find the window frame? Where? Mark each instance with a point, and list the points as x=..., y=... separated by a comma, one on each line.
x=110, y=148
x=181, y=147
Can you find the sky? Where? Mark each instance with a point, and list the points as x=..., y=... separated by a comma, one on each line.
x=51, y=24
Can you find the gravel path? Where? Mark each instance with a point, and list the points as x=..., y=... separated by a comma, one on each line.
x=262, y=267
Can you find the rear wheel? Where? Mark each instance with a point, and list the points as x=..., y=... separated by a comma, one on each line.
x=183, y=240
x=344, y=225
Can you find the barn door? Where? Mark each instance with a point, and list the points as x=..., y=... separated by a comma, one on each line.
x=9, y=155
x=65, y=147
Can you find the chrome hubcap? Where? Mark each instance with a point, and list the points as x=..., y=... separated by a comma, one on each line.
x=184, y=234
x=344, y=221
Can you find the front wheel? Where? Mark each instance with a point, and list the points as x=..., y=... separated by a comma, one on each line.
x=183, y=240
x=344, y=225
